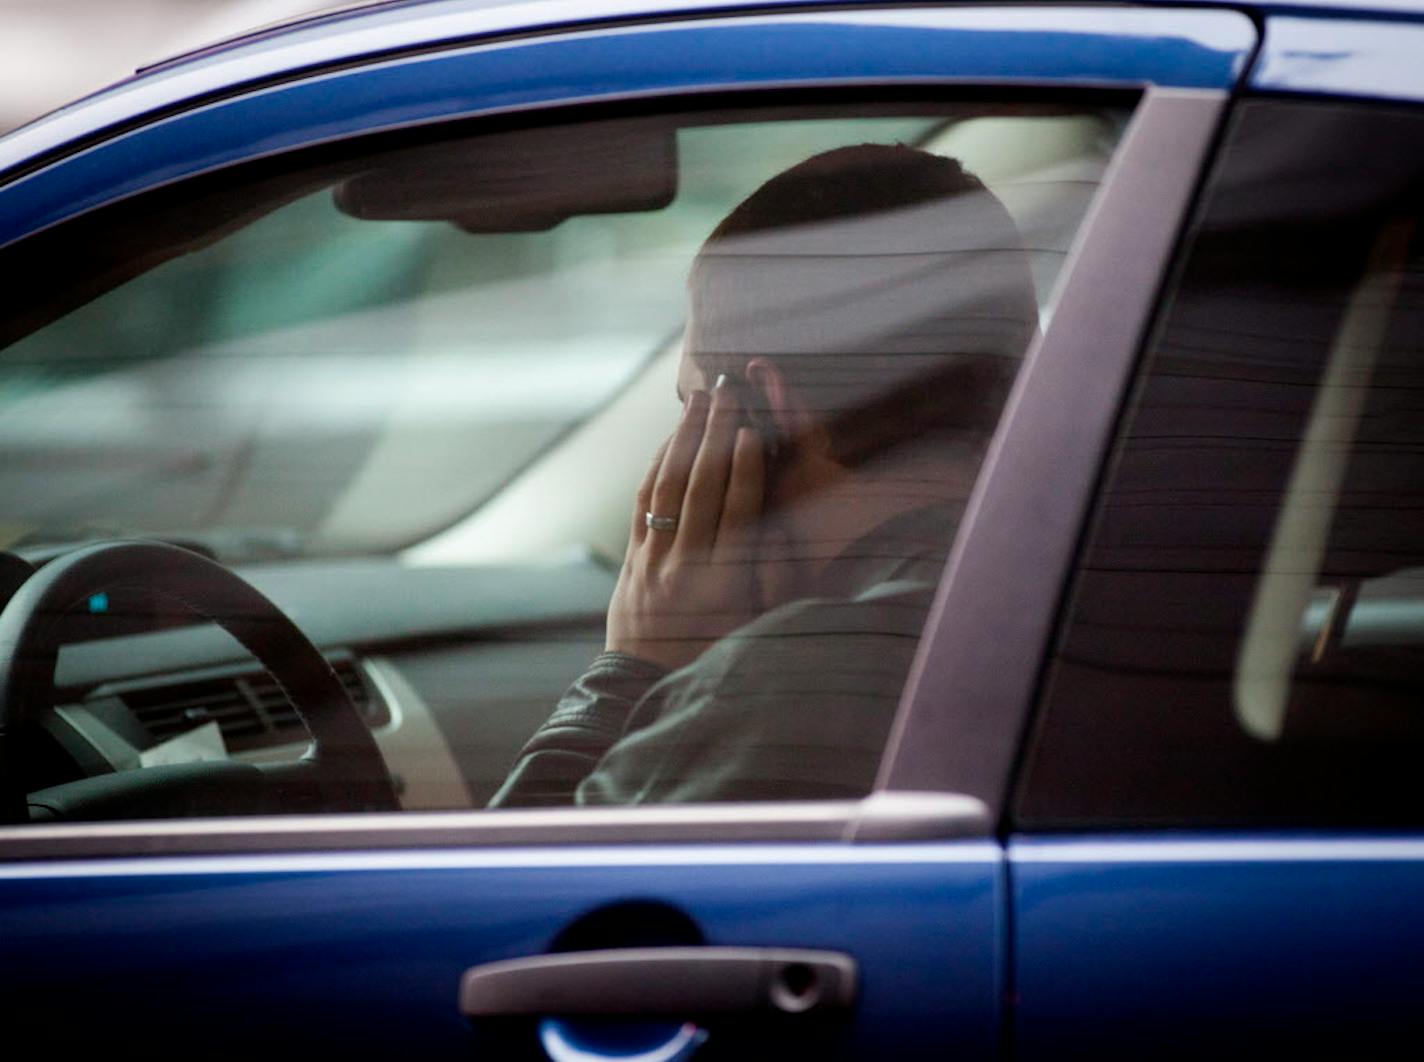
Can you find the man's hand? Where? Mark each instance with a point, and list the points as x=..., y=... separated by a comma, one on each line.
x=682, y=589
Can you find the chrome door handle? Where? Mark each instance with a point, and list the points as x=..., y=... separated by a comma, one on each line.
x=680, y=982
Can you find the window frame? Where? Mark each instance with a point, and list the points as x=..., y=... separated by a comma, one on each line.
x=922, y=794
x=971, y=690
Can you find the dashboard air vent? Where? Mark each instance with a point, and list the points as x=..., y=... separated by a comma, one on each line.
x=249, y=706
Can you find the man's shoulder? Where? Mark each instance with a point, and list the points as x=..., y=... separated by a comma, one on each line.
x=873, y=630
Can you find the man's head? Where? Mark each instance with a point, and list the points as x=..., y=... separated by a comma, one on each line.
x=881, y=287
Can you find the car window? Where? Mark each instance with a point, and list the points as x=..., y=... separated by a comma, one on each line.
x=318, y=383
x=411, y=390
x=1244, y=644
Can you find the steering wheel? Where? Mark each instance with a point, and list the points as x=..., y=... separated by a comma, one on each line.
x=341, y=771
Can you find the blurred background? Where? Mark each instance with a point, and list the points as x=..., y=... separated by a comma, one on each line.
x=54, y=51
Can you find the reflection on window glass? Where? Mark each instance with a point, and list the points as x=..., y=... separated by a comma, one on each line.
x=1247, y=637
x=708, y=395
x=289, y=387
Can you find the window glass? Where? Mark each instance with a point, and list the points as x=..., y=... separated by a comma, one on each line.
x=411, y=393
x=1246, y=640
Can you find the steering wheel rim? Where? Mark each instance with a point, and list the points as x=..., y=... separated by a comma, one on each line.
x=346, y=770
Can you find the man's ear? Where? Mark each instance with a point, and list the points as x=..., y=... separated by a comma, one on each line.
x=778, y=403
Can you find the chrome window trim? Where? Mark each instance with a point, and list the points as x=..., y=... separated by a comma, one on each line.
x=972, y=686
x=1155, y=849
x=986, y=852
x=880, y=817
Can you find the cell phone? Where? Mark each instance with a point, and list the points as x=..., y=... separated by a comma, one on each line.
x=755, y=417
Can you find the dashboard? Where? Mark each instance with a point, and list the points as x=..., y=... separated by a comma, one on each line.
x=451, y=667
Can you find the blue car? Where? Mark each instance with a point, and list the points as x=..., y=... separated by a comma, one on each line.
x=685, y=530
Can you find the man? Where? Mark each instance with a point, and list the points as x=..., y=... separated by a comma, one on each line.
x=854, y=327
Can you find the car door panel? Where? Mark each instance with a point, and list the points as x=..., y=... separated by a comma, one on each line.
x=250, y=949
x=355, y=934
x=1254, y=754
x=1234, y=946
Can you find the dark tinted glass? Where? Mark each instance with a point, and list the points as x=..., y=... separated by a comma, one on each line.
x=1245, y=643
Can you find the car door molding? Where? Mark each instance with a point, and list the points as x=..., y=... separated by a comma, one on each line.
x=972, y=685
x=880, y=817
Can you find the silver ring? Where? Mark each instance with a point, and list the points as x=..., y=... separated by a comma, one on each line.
x=660, y=523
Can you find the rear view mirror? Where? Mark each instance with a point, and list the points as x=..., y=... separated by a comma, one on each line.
x=524, y=181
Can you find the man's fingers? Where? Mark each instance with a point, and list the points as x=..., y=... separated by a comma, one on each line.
x=711, y=473
x=644, y=499
x=671, y=482
x=742, y=505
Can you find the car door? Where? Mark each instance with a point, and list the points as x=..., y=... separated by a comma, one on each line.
x=872, y=926
x=1216, y=845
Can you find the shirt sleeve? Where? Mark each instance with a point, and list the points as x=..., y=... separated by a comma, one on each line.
x=795, y=706
x=588, y=719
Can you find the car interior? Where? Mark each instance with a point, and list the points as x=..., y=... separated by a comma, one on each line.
x=406, y=389
x=1331, y=647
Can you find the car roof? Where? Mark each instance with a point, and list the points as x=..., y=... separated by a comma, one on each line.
x=369, y=29
x=327, y=15
x=320, y=39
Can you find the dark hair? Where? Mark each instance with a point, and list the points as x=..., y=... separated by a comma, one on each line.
x=888, y=285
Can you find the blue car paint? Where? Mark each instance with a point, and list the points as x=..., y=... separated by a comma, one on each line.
x=1118, y=942
x=343, y=38
x=1128, y=49
x=398, y=20
x=1171, y=945
x=373, y=945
